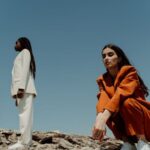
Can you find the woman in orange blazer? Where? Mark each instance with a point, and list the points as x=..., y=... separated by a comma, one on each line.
x=121, y=102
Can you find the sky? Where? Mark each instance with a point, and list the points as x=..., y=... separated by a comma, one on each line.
x=67, y=37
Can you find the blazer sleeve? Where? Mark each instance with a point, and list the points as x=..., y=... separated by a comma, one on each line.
x=102, y=97
x=25, y=67
x=125, y=89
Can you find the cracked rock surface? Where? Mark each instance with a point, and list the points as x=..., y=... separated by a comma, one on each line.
x=59, y=141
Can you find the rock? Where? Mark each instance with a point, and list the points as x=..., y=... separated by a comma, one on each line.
x=59, y=141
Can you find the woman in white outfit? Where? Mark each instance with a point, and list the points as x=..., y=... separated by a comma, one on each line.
x=23, y=90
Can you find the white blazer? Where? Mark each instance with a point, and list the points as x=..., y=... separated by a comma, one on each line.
x=22, y=77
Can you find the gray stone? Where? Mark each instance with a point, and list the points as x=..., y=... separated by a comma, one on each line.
x=59, y=141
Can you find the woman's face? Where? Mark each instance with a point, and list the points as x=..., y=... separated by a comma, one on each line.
x=110, y=59
x=18, y=46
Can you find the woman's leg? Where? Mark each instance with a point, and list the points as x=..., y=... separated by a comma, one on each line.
x=116, y=125
x=132, y=113
x=25, y=107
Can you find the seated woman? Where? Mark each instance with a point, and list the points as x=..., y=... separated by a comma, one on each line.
x=121, y=102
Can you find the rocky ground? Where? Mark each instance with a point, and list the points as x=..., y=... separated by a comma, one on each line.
x=59, y=141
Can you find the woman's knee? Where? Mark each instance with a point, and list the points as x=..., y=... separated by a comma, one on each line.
x=128, y=104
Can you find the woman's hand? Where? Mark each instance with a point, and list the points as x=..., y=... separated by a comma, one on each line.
x=99, y=129
x=20, y=93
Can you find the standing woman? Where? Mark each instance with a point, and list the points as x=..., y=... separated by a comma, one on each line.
x=121, y=102
x=23, y=90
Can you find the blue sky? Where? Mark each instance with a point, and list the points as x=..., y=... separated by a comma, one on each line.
x=67, y=37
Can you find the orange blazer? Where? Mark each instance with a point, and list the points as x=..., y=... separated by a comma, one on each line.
x=113, y=93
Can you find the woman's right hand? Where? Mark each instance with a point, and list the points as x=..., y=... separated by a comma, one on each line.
x=20, y=93
x=99, y=129
x=100, y=124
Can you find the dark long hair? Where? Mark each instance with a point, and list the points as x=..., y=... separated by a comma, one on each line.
x=25, y=44
x=125, y=61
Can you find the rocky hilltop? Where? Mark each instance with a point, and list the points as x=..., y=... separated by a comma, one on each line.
x=59, y=141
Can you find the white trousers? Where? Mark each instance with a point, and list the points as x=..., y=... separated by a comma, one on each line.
x=25, y=106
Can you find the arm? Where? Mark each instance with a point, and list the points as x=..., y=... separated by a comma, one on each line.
x=25, y=66
x=102, y=96
x=99, y=128
x=102, y=101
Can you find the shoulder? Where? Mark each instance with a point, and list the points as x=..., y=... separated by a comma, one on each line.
x=102, y=77
x=127, y=70
x=25, y=52
x=99, y=78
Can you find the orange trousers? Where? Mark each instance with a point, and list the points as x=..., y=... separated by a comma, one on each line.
x=133, y=119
